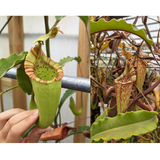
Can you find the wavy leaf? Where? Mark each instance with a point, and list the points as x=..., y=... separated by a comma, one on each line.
x=85, y=19
x=63, y=61
x=72, y=106
x=103, y=115
x=51, y=34
x=124, y=125
x=11, y=61
x=95, y=143
x=113, y=24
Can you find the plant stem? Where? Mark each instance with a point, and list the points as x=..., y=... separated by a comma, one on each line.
x=144, y=96
x=2, y=108
x=9, y=89
x=47, y=41
x=60, y=118
x=1, y=98
x=57, y=21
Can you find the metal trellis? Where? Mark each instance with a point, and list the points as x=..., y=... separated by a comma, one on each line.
x=69, y=82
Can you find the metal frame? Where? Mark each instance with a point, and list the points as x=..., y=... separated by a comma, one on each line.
x=69, y=82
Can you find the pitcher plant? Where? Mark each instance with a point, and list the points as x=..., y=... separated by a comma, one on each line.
x=141, y=67
x=45, y=76
x=124, y=83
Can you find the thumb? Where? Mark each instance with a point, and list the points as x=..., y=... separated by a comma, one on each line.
x=36, y=134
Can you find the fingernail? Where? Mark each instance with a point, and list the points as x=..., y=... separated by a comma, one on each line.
x=35, y=112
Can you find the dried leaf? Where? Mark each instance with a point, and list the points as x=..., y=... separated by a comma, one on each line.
x=57, y=134
x=105, y=45
x=86, y=134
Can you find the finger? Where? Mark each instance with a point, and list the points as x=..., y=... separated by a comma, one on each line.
x=14, y=120
x=16, y=132
x=5, y=116
x=36, y=134
x=24, y=140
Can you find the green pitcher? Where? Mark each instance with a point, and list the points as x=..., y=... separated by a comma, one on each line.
x=45, y=76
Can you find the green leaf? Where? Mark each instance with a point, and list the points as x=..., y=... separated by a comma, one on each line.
x=80, y=130
x=72, y=106
x=51, y=34
x=11, y=61
x=113, y=24
x=23, y=80
x=59, y=16
x=78, y=59
x=28, y=130
x=95, y=143
x=124, y=125
x=65, y=96
x=85, y=19
x=63, y=61
x=103, y=115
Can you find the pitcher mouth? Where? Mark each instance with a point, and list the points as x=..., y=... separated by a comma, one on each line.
x=126, y=78
x=41, y=68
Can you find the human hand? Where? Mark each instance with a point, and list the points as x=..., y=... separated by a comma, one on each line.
x=14, y=123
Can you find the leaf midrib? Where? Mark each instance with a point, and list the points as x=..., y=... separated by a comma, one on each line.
x=122, y=127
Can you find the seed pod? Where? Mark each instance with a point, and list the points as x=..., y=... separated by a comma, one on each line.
x=45, y=76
